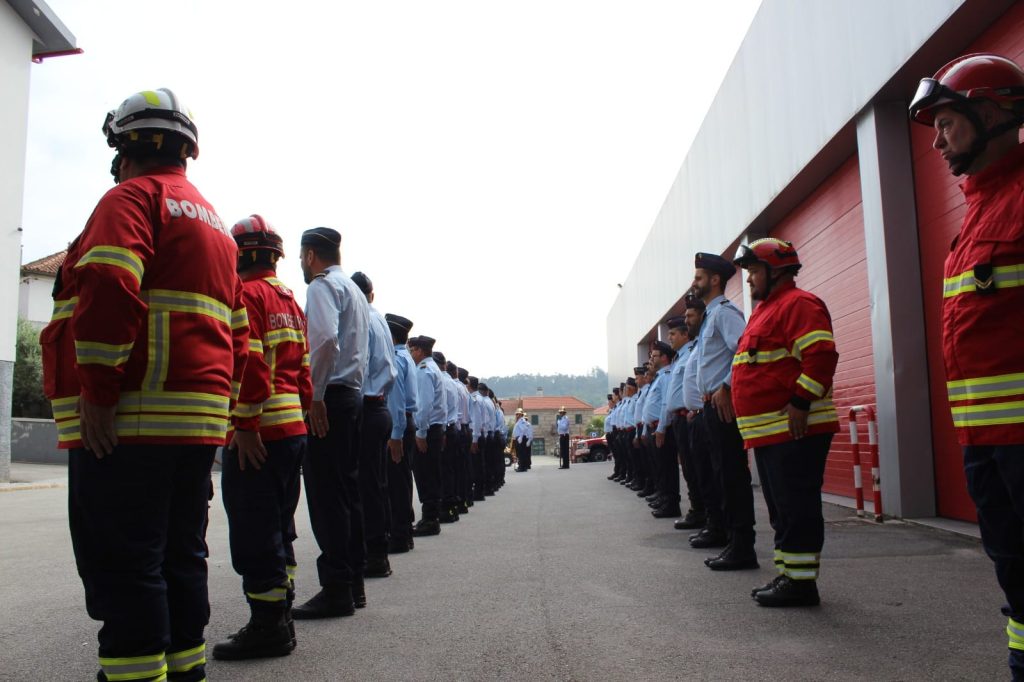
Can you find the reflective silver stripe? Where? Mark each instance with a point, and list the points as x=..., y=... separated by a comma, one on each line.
x=114, y=255
x=158, y=350
x=280, y=400
x=133, y=667
x=1003, y=277
x=64, y=309
x=989, y=414
x=166, y=300
x=810, y=385
x=96, y=353
x=169, y=401
x=245, y=410
x=278, y=417
x=239, y=318
x=282, y=335
x=985, y=387
x=183, y=661
x=273, y=595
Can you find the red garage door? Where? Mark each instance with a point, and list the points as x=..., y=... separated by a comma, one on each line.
x=828, y=232
x=940, y=211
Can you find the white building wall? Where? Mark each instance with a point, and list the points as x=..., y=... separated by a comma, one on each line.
x=803, y=73
x=35, y=299
x=15, y=62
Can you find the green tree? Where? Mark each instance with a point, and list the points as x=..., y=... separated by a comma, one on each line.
x=27, y=399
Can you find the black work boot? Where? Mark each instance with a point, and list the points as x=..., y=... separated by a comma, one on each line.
x=379, y=566
x=789, y=592
x=266, y=635
x=426, y=527
x=330, y=602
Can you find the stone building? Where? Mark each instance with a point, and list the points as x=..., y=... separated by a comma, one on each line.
x=542, y=410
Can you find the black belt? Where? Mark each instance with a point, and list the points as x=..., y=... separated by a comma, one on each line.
x=374, y=399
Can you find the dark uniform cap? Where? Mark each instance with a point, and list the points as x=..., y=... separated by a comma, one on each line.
x=695, y=303
x=609, y=396
x=642, y=369
x=662, y=347
x=321, y=236
x=363, y=282
x=473, y=382
x=481, y=386
x=714, y=263
x=615, y=390
x=463, y=374
x=438, y=358
x=398, y=322
x=631, y=382
x=424, y=343
x=676, y=322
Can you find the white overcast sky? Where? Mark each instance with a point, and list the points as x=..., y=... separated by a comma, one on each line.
x=493, y=167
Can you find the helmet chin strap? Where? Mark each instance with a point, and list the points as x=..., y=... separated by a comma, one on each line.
x=959, y=163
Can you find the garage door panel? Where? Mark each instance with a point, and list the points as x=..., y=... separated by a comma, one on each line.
x=827, y=229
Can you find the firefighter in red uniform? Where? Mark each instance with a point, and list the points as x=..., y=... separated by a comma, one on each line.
x=782, y=391
x=261, y=465
x=141, y=361
x=976, y=106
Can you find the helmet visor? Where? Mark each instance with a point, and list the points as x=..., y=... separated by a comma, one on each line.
x=930, y=93
x=744, y=256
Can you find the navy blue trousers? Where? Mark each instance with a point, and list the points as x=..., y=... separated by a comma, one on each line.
x=138, y=528
x=260, y=504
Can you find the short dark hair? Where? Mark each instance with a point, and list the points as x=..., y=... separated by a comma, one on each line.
x=328, y=254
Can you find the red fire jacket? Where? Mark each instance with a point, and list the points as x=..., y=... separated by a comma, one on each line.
x=983, y=308
x=275, y=387
x=786, y=351
x=148, y=316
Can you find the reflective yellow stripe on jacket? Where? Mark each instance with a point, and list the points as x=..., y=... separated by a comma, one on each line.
x=114, y=255
x=991, y=413
x=1003, y=277
x=776, y=422
x=281, y=408
x=173, y=414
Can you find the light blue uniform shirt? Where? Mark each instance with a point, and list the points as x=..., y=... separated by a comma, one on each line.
x=338, y=329
x=674, y=392
x=693, y=399
x=430, y=385
x=499, y=421
x=523, y=430
x=609, y=419
x=719, y=336
x=563, y=425
x=638, y=407
x=380, y=369
x=655, y=402
x=402, y=398
x=451, y=396
x=463, y=402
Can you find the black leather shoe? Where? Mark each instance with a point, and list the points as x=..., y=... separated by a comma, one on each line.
x=358, y=593
x=379, y=566
x=479, y=497
x=412, y=543
x=667, y=511
x=613, y=477
x=448, y=516
x=690, y=521
x=770, y=585
x=398, y=545
x=709, y=538
x=733, y=561
x=789, y=592
x=330, y=602
x=426, y=527
x=464, y=508
x=653, y=498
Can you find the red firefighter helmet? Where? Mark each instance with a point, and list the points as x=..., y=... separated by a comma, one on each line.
x=255, y=232
x=968, y=78
x=773, y=252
